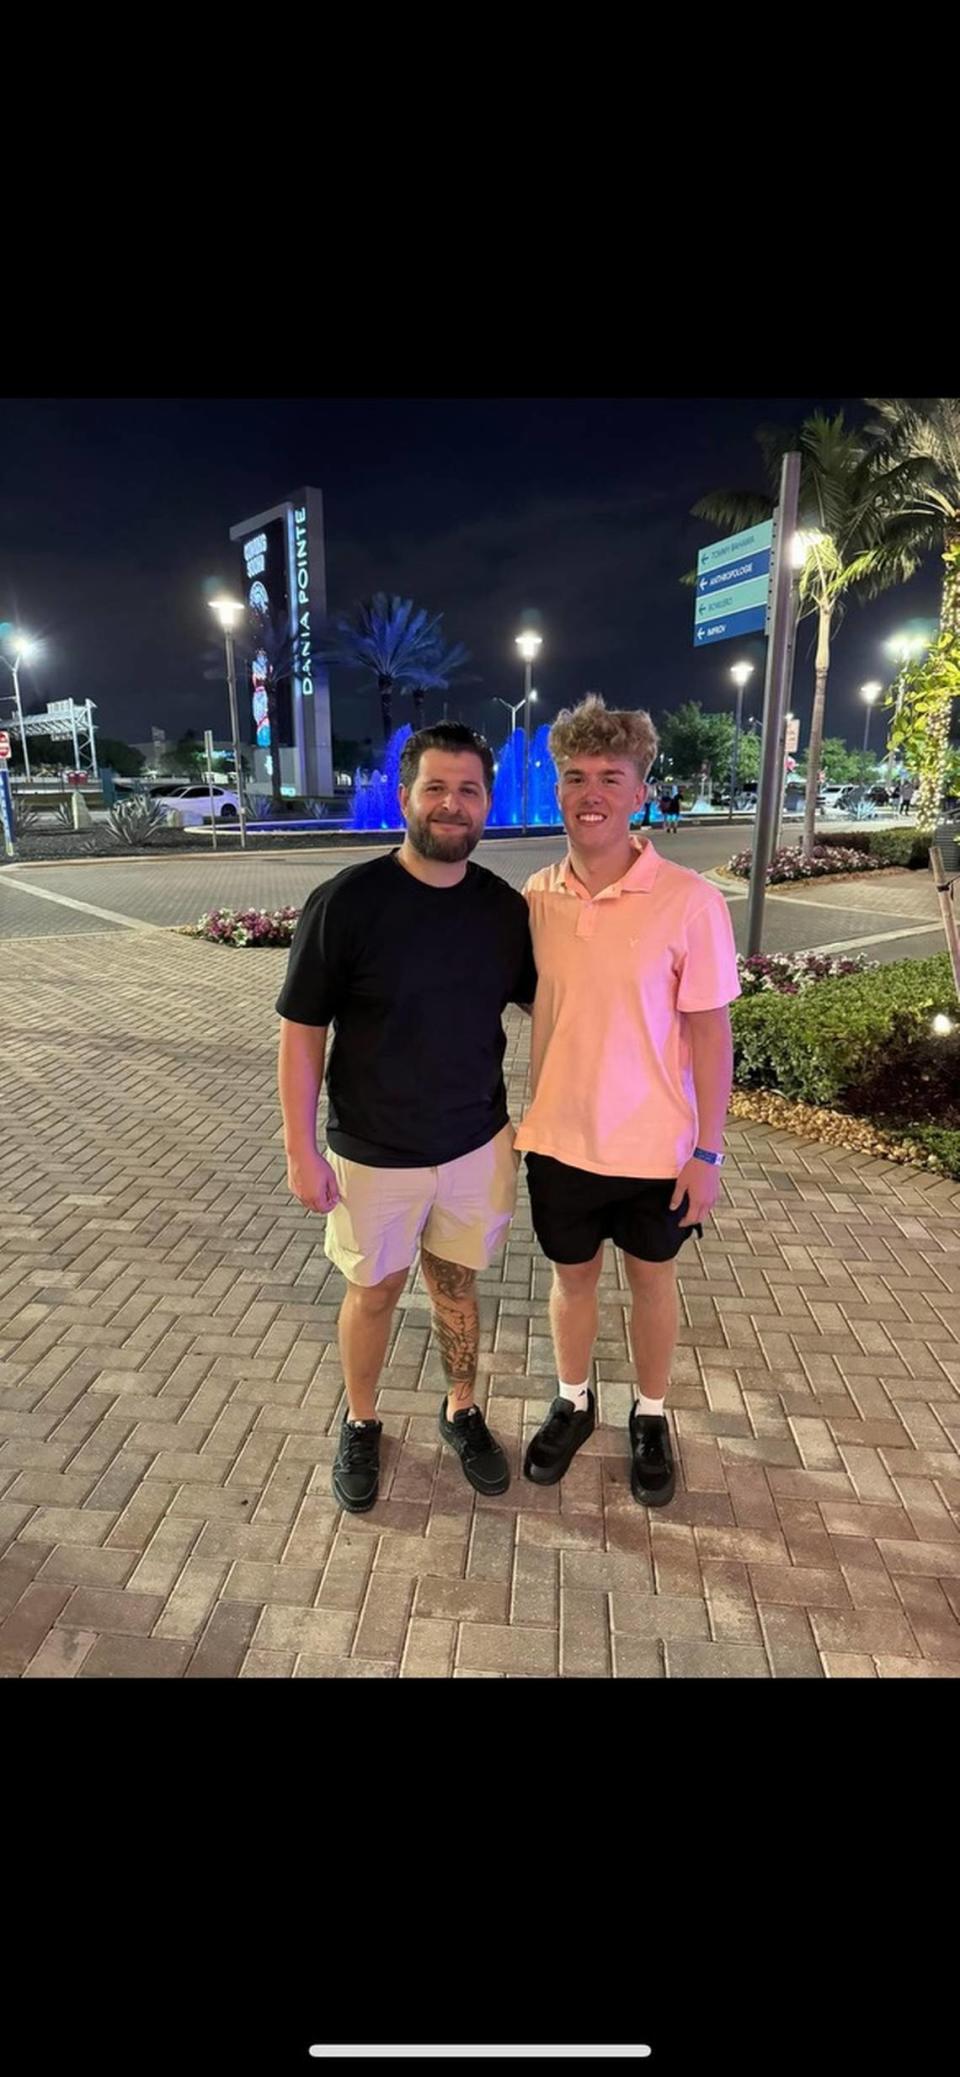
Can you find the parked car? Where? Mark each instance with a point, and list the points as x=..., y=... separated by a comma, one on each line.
x=192, y=801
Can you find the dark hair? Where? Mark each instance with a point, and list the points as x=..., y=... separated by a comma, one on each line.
x=447, y=735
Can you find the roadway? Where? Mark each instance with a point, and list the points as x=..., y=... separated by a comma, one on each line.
x=889, y=918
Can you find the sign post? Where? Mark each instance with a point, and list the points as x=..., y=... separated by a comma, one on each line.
x=733, y=585
x=775, y=689
x=8, y=826
x=208, y=753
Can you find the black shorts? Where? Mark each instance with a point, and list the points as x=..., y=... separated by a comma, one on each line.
x=574, y=1212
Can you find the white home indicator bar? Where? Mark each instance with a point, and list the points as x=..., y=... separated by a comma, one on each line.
x=489, y=2050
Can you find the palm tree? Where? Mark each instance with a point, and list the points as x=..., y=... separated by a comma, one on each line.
x=921, y=435
x=397, y=646
x=847, y=492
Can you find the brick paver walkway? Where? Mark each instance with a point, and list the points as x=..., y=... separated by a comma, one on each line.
x=170, y=1391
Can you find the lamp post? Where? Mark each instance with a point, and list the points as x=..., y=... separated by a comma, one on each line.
x=903, y=648
x=777, y=844
x=513, y=706
x=228, y=612
x=870, y=693
x=529, y=646
x=22, y=652
x=739, y=672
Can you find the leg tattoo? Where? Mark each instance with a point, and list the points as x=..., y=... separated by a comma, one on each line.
x=456, y=1324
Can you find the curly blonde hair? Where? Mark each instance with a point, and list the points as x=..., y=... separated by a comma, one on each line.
x=592, y=729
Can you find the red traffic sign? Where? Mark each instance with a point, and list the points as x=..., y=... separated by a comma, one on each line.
x=4, y=743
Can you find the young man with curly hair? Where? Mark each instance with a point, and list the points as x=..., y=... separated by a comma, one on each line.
x=412, y=956
x=631, y=1070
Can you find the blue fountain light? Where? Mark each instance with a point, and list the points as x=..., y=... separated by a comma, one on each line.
x=375, y=804
x=507, y=810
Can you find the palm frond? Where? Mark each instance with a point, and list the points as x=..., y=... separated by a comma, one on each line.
x=734, y=508
x=397, y=644
x=926, y=432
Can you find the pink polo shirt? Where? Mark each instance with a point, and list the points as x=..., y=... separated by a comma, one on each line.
x=611, y=1069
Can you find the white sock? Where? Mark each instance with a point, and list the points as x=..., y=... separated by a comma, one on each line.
x=649, y=1406
x=577, y=1395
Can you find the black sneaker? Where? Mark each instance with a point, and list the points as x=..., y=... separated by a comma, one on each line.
x=553, y=1448
x=653, y=1479
x=356, y=1467
x=484, y=1463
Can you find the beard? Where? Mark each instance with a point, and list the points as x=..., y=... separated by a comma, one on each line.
x=432, y=840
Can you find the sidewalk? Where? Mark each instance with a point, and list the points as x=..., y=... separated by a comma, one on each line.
x=170, y=1391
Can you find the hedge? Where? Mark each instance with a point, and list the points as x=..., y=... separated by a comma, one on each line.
x=858, y=1042
x=891, y=846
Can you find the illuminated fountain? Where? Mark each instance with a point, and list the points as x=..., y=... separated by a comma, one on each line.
x=507, y=810
x=375, y=803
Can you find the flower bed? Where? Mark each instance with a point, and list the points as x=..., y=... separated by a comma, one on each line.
x=244, y=926
x=789, y=865
x=791, y=973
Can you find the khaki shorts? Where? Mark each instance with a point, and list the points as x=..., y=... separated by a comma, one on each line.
x=460, y=1211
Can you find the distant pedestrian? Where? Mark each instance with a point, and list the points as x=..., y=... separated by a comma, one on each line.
x=907, y=791
x=672, y=814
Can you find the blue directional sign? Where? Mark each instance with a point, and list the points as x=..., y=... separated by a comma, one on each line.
x=743, y=572
x=733, y=584
x=752, y=622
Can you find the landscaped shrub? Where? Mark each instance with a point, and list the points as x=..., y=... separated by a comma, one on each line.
x=788, y=864
x=791, y=973
x=137, y=821
x=245, y=926
x=891, y=846
x=861, y=1043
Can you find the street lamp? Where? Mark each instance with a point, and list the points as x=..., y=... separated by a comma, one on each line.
x=513, y=706
x=870, y=693
x=904, y=648
x=23, y=649
x=228, y=611
x=529, y=646
x=739, y=672
x=802, y=543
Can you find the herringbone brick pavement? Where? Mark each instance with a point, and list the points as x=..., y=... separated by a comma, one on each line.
x=170, y=1392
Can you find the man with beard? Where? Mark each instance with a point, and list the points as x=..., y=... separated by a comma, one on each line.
x=413, y=957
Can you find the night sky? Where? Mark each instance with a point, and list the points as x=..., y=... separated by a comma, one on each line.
x=115, y=512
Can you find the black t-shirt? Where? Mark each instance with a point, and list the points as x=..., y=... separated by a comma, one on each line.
x=415, y=980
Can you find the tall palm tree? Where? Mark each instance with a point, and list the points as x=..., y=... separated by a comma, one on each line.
x=400, y=648
x=847, y=493
x=921, y=435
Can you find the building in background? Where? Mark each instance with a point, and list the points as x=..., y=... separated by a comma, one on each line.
x=283, y=574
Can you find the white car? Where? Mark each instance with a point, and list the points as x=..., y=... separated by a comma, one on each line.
x=192, y=801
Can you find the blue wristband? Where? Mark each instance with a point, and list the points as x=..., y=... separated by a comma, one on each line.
x=715, y=1160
